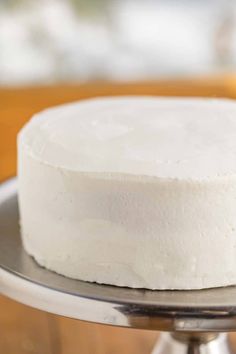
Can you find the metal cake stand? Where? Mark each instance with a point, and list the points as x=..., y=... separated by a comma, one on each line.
x=195, y=320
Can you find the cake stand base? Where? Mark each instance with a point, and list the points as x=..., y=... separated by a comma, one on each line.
x=192, y=343
x=193, y=322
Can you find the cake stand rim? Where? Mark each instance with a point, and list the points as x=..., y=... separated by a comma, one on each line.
x=136, y=313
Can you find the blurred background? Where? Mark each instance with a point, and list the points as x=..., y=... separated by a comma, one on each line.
x=51, y=41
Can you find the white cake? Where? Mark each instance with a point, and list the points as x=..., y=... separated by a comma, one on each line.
x=132, y=191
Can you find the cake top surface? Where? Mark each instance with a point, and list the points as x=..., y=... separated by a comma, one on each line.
x=163, y=137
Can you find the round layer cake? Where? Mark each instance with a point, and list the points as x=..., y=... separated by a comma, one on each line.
x=132, y=191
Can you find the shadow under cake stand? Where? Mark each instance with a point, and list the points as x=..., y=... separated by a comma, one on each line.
x=196, y=320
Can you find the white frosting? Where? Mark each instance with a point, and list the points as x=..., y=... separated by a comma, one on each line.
x=137, y=192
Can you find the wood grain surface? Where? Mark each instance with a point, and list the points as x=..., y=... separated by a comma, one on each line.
x=26, y=330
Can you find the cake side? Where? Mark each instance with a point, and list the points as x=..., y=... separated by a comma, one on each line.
x=156, y=235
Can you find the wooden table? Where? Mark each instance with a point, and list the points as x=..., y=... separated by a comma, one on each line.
x=26, y=330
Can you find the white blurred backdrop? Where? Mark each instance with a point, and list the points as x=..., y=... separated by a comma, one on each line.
x=47, y=41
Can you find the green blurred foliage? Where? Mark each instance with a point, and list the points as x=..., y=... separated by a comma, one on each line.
x=81, y=7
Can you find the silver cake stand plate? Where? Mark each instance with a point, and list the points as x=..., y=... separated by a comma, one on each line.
x=195, y=320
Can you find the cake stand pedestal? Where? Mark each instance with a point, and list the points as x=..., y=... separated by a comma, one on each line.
x=196, y=320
